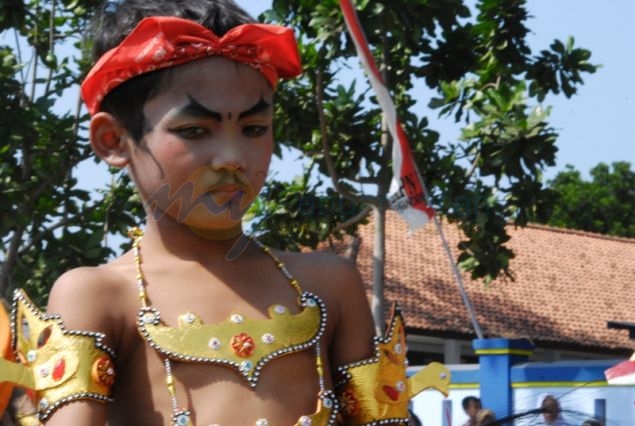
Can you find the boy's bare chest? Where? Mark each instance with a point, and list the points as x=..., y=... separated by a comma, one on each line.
x=215, y=393
x=226, y=333
x=216, y=295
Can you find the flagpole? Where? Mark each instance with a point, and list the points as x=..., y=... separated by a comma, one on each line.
x=459, y=279
x=455, y=269
x=400, y=144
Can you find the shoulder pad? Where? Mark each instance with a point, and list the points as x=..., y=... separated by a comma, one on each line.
x=376, y=391
x=60, y=365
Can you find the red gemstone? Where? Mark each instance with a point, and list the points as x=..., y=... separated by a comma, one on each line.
x=243, y=345
x=58, y=370
x=391, y=392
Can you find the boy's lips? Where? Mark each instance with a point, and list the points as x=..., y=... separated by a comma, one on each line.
x=227, y=188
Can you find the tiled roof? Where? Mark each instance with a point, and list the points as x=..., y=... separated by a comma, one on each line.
x=568, y=284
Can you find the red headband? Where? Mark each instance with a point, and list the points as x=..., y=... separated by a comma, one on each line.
x=161, y=42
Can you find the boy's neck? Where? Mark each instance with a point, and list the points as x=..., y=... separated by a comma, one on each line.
x=184, y=242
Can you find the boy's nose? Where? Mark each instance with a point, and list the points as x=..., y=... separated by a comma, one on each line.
x=228, y=155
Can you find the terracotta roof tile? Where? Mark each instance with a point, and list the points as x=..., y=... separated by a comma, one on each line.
x=567, y=285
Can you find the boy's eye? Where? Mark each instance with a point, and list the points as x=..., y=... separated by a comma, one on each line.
x=255, y=130
x=190, y=132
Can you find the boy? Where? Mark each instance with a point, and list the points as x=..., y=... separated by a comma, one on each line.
x=199, y=324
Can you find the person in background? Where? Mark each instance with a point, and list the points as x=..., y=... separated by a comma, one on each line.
x=485, y=417
x=471, y=406
x=551, y=412
x=414, y=420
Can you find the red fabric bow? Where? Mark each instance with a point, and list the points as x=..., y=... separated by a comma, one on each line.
x=161, y=42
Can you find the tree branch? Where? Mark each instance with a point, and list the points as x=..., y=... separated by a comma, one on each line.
x=474, y=166
x=326, y=147
x=51, y=46
x=40, y=235
x=368, y=180
x=357, y=218
x=35, y=53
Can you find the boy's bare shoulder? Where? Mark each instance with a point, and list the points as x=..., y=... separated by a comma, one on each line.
x=338, y=282
x=332, y=277
x=323, y=269
x=93, y=298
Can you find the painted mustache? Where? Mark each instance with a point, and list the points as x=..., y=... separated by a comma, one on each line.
x=241, y=190
x=231, y=182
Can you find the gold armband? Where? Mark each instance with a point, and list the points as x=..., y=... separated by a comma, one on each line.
x=376, y=390
x=60, y=365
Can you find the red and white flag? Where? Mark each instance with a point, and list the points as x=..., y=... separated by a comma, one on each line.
x=622, y=373
x=407, y=193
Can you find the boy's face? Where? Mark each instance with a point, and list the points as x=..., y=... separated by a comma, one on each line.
x=208, y=139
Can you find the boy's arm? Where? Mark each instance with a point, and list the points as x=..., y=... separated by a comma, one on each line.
x=370, y=371
x=85, y=302
x=79, y=413
x=354, y=332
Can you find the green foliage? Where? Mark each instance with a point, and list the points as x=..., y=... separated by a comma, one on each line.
x=487, y=81
x=47, y=223
x=486, y=78
x=291, y=216
x=605, y=203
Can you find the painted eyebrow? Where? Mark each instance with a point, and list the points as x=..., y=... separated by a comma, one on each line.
x=194, y=108
x=261, y=106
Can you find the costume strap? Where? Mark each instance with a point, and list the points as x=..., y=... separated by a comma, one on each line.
x=60, y=365
x=162, y=42
x=376, y=391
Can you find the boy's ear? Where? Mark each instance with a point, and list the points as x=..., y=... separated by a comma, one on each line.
x=109, y=140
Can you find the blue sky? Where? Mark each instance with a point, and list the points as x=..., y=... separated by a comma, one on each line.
x=597, y=124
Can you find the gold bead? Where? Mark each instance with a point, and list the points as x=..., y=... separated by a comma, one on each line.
x=135, y=232
x=320, y=371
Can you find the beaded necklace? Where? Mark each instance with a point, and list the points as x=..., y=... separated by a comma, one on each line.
x=149, y=315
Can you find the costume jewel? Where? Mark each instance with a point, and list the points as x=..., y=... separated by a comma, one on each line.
x=376, y=391
x=241, y=343
x=60, y=365
x=230, y=343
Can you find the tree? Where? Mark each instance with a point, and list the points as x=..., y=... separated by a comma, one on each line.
x=605, y=203
x=480, y=67
x=47, y=223
x=487, y=80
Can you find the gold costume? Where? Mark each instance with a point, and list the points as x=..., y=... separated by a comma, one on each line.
x=60, y=365
x=63, y=366
x=376, y=390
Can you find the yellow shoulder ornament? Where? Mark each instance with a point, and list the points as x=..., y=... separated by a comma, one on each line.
x=376, y=390
x=60, y=365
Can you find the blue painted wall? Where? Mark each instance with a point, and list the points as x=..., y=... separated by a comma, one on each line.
x=508, y=384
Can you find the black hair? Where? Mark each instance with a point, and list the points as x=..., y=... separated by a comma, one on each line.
x=117, y=19
x=550, y=405
x=467, y=400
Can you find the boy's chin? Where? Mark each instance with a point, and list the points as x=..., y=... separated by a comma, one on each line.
x=217, y=234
